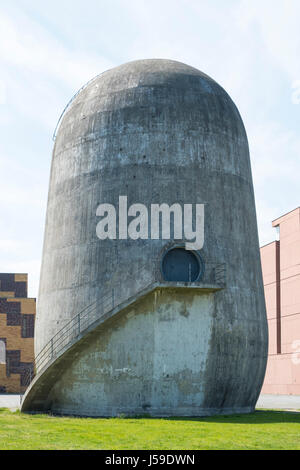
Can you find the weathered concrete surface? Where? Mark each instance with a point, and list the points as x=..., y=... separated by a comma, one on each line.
x=156, y=131
x=152, y=358
x=36, y=397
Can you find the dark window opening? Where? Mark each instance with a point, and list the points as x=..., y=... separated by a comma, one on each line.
x=27, y=330
x=180, y=265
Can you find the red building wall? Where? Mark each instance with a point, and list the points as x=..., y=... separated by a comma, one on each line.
x=281, y=275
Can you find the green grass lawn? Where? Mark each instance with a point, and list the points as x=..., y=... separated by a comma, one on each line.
x=259, y=430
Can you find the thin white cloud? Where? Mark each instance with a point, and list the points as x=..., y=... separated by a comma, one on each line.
x=276, y=169
x=296, y=92
x=277, y=23
x=41, y=72
x=2, y=92
x=26, y=45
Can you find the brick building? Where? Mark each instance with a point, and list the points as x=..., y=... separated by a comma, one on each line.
x=17, y=316
x=281, y=275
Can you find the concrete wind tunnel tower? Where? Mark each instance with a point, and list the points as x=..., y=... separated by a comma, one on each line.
x=143, y=325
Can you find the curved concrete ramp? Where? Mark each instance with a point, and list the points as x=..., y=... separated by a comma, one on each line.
x=109, y=344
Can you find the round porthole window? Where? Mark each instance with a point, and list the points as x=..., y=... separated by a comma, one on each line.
x=180, y=265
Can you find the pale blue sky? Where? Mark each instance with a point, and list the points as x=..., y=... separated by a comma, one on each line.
x=50, y=49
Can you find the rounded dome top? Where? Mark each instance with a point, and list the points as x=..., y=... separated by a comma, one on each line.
x=146, y=89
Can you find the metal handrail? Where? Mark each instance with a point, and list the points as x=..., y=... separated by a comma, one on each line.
x=70, y=102
x=214, y=273
x=106, y=301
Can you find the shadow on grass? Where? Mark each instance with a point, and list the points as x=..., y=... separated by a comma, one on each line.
x=258, y=417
